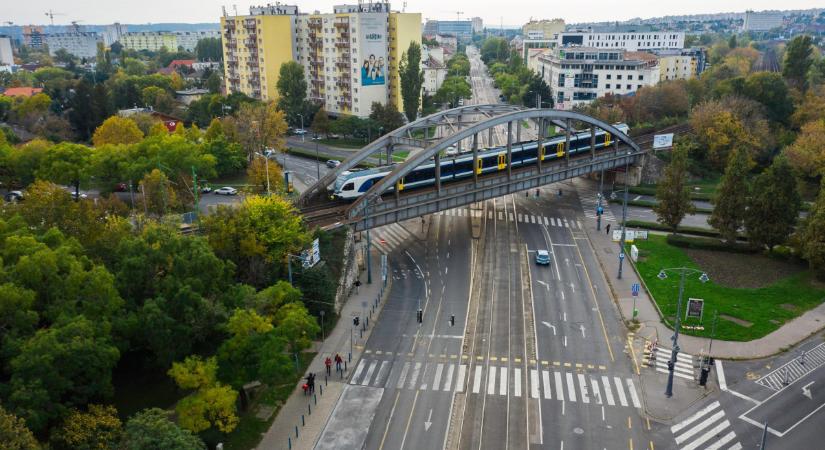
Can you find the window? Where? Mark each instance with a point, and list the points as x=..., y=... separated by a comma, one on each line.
x=609, y=76
x=629, y=77
x=641, y=77
x=607, y=86
x=638, y=86
x=629, y=87
x=561, y=80
x=618, y=77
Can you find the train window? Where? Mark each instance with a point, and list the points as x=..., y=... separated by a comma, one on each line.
x=348, y=187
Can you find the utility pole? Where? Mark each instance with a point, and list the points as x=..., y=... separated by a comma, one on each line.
x=600, y=211
x=624, y=218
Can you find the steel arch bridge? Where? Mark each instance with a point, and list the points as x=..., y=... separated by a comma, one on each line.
x=379, y=207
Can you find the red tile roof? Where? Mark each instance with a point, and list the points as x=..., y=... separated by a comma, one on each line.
x=22, y=91
x=181, y=62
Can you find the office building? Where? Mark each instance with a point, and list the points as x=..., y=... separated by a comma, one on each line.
x=630, y=38
x=33, y=36
x=350, y=56
x=460, y=28
x=681, y=64
x=81, y=44
x=542, y=29
x=579, y=75
x=762, y=21
x=6, y=55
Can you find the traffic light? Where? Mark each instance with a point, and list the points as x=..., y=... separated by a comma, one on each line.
x=452, y=320
x=356, y=321
x=420, y=316
x=670, y=366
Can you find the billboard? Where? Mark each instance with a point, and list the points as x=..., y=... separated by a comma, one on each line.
x=373, y=57
x=662, y=141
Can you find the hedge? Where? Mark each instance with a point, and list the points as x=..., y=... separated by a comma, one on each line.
x=680, y=240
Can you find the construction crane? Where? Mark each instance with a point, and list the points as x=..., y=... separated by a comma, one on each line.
x=50, y=14
x=75, y=26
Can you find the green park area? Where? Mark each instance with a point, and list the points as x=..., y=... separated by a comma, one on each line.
x=753, y=294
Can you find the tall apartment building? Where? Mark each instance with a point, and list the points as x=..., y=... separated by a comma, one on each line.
x=350, y=56
x=188, y=40
x=113, y=33
x=542, y=29
x=681, y=64
x=6, y=55
x=81, y=44
x=762, y=21
x=459, y=28
x=579, y=75
x=149, y=40
x=33, y=36
x=630, y=38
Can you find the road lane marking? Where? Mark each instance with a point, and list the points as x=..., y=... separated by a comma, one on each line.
x=679, y=426
x=424, y=375
x=722, y=441
x=403, y=376
x=358, y=371
x=448, y=383
x=620, y=391
x=414, y=375
x=502, y=389
x=559, y=386
x=583, y=388
x=368, y=376
x=534, y=383
x=571, y=387
x=608, y=392
x=477, y=380
x=381, y=371
x=595, y=303
x=491, y=380
x=389, y=420
x=459, y=386
x=699, y=427
x=517, y=382
x=594, y=384
x=709, y=434
x=633, y=396
x=437, y=382
x=545, y=377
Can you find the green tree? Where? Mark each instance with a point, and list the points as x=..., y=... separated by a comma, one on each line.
x=261, y=126
x=773, y=206
x=672, y=192
x=807, y=153
x=536, y=89
x=412, y=78
x=292, y=90
x=732, y=42
x=297, y=326
x=14, y=434
x=229, y=156
x=386, y=117
x=770, y=90
x=66, y=365
x=212, y=404
x=214, y=83
x=798, y=61
x=158, y=197
x=158, y=98
x=452, y=90
x=133, y=67
x=66, y=163
x=99, y=428
x=117, y=130
x=320, y=123
x=152, y=429
x=730, y=201
x=209, y=49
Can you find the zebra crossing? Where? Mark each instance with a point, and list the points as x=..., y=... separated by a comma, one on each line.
x=389, y=237
x=707, y=429
x=589, y=199
x=525, y=218
x=658, y=358
x=594, y=389
x=794, y=369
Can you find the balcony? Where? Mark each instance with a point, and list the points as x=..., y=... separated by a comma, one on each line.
x=342, y=44
x=341, y=23
x=343, y=83
x=314, y=23
x=250, y=42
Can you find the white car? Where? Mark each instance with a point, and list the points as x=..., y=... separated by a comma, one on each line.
x=226, y=190
x=452, y=151
x=333, y=163
x=300, y=131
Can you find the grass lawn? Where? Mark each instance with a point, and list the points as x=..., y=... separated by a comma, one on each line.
x=344, y=142
x=699, y=190
x=250, y=429
x=755, y=312
x=239, y=178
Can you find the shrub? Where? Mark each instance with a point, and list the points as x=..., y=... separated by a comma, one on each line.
x=680, y=240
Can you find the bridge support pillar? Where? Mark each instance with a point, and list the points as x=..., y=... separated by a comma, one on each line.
x=509, y=150
x=540, y=143
x=475, y=164
x=567, y=143
x=490, y=136
x=592, y=143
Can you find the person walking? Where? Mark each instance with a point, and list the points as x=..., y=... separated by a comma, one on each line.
x=607, y=229
x=328, y=363
x=338, y=361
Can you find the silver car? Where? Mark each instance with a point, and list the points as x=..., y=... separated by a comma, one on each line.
x=226, y=190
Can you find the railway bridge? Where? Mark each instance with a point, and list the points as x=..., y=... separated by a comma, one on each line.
x=386, y=201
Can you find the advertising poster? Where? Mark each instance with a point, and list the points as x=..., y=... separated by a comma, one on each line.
x=374, y=50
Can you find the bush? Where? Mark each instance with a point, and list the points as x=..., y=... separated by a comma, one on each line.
x=679, y=240
x=659, y=227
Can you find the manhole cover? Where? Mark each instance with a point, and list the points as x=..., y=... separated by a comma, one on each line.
x=578, y=430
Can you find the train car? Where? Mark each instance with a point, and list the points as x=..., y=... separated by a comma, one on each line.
x=353, y=184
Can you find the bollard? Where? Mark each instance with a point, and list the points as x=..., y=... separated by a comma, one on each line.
x=362, y=333
x=315, y=398
x=303, y=422
x=322, y=387
x=289, y=440
x=326, y=382
x=349, y=358
x=296, y=431
x=309, y=408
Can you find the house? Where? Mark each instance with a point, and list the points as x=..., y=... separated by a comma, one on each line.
x=177, y=64
x=190, y=95
x=22, y=91
x=171, y=122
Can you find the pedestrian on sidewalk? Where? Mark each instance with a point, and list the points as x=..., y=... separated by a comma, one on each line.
x=312, y=383
x=328, y=363
x=607, y=229
x=305, y=387
x=338, y=361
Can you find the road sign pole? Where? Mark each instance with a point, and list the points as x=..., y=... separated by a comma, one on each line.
x=764, y=436
x=675, y=351
x=624, y=213
x=601, y=194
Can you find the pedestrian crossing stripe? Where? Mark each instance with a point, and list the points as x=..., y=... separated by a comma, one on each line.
x=589, y=199
x=464, y=357
x=706, y=429
x=519, y=217
x=685, y=363
x=498, y=381
x=389, y=237
x=794, y=369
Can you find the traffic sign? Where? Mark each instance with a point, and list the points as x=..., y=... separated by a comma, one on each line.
x=599, y=210
x=621, y=255
x=635, y=289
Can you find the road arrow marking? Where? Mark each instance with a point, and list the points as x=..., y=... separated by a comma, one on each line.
x=546, y=286
x=428, y=423
x=581, y=327
x=807, y=392
x=551, y=326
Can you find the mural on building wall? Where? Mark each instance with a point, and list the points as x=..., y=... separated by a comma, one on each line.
x=373, y=65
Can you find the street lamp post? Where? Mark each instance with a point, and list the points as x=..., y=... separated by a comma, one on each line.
x=675, y=351
x=266, y=164
x=317, y=160
x=600, y=210
x=289, y=257
x=624, y=217
x=303, y=131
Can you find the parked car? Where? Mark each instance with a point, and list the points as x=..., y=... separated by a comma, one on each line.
x=461, y=102
x=300, y=131
x=13, y=196
x=333, y=163
x=226, y=190
x=121, y=187
x=452, y=151
x=75, y=195
x=205, y=189
x=543, y=257
x=316, y=138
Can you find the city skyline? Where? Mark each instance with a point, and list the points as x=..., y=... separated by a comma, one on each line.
x=517, y=13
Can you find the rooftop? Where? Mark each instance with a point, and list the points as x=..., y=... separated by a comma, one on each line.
x=22, y=91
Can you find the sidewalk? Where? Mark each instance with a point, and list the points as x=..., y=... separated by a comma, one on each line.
x=649, y=317
x=316, y=409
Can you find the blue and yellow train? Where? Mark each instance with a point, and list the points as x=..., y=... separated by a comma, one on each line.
x=353, y=184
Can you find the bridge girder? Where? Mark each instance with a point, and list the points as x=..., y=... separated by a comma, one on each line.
x=517, y=116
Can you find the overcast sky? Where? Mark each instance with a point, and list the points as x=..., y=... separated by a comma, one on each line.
x=512, y=12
